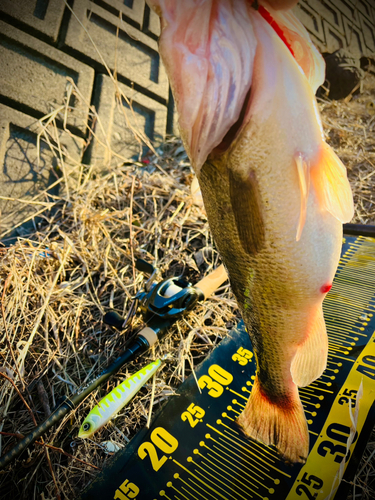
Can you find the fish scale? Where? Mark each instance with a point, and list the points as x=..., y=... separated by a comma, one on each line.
x=211, y=459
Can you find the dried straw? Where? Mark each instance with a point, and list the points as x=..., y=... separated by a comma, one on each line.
x=57, y=284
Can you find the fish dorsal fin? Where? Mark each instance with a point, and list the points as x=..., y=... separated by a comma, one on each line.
x=304, y=184
x=331, y=184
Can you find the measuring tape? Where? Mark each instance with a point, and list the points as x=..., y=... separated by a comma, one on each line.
x=194, y=449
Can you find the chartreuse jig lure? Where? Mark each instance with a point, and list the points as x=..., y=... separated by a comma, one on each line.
x=111, y=404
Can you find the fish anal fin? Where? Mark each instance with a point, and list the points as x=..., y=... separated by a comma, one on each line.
x=311, y=358
x=304, y=184
x=247, y=209
x=331, y=184
x=282, y=425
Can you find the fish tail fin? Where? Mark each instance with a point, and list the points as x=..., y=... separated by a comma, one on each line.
x=310, y=360
x=283, y=425
x=332, y=185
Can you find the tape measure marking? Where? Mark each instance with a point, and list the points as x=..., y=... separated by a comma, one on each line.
x=346, y=299
x=330, y=448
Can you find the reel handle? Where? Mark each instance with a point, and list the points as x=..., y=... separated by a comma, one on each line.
x=212, y=282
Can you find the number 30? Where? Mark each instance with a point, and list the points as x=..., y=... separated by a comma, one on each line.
x=215, y=381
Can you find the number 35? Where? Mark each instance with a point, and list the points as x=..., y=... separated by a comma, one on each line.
x=242, y=356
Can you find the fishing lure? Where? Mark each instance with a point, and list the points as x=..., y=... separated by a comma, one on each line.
x=111, y=404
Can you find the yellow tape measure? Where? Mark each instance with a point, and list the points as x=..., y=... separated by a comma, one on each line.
x=194, y=449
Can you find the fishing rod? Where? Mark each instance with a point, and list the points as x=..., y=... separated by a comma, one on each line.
x=112, y=403
x=161, y=305
x=359, y=230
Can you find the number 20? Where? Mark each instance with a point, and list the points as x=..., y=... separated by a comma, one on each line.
x=164, y=441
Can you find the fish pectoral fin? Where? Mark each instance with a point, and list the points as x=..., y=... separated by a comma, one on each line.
x=283, y=425
x=247, y=210
x=304, y=184
x=332, y=186
x=310, y=360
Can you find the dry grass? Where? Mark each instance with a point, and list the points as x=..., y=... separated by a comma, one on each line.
x=80, y=262
x=58, y=284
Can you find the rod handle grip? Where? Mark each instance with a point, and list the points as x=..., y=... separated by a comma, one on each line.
x=212, y=282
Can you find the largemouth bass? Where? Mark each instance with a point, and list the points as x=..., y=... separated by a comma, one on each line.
x=244, y=79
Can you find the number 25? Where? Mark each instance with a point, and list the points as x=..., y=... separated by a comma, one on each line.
x=197, y=411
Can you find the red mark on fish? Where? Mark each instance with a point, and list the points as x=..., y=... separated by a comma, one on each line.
x=326, y=288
